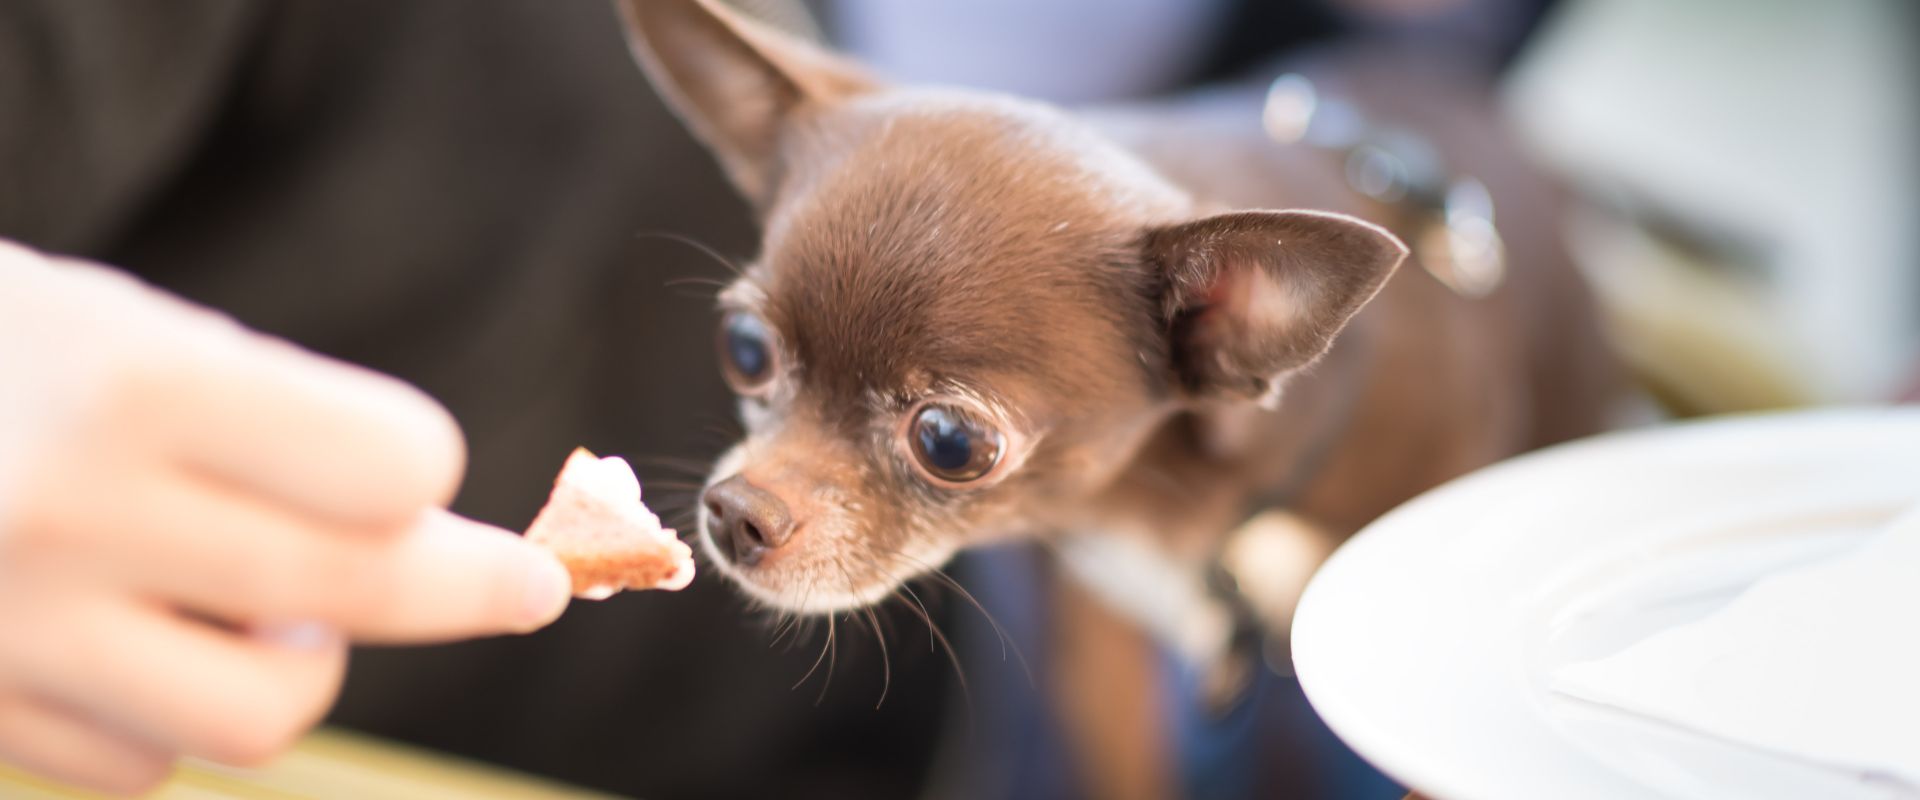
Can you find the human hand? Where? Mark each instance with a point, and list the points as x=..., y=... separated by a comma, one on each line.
x=194, y=519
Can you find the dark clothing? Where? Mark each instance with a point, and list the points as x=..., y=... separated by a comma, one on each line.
x=458, y=193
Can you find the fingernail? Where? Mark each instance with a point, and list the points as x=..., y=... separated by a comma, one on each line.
x=549, y=589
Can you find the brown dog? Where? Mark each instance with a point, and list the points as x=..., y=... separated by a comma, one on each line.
x=976, y=317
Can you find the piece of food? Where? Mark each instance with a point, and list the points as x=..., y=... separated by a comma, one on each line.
x=595, y=524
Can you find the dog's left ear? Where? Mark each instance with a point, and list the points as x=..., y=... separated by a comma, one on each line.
x=1253, y=295
x=735, y=82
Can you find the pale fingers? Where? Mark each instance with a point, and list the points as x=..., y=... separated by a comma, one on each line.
x=458, y=579
x=332, y=439
x=59, y=744
x=201, y=545
x=110, y=364
x=182, y=685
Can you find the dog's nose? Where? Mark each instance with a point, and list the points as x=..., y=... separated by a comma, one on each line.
x=745, y=520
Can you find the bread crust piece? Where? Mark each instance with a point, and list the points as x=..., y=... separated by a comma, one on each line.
x=596, y=525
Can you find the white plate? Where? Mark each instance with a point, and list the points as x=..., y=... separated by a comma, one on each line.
x=1427, y=640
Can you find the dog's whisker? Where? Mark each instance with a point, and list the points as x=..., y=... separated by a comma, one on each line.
x=784, y=623
x=1006, y=640
x=721, y=419
x=806, y=595
x=833, y=657
x=886, y=662
x=797, y=623
x=680, y=490
x=808, y=628
x=696, y=244
x=935, y=635
x=823, y=650
x=909, y=593
x=817, y=660
x=696, y=280
x=780, y=627
x=691, y=465
x=873, y=621
x=681, y=477
x=677, y=511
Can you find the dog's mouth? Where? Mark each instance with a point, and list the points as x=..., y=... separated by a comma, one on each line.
x=805, y=577
x=797, y=538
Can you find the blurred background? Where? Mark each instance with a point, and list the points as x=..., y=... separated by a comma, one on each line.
x=484, y=197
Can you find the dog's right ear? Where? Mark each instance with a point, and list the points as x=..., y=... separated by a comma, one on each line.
x=734, y=81
x=1251, y=296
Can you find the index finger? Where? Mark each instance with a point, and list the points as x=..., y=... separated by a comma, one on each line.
x=449, y=578
x=337, y=441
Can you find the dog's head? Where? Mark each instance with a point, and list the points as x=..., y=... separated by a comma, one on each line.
x=969, y=312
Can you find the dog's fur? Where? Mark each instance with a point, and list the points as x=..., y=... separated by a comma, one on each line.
x=1143, y=346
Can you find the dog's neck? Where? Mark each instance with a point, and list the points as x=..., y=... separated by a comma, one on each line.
x=1153, y=549
x=1192, y=495
x=1158, y=548
x=1203, y=471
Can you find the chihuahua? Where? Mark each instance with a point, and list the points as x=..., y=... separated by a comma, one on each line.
x=976, y=317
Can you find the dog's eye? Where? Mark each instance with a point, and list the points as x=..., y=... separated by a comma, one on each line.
x=746, y=351
x=953, y=446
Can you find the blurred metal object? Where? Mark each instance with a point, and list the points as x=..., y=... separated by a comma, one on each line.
x=1378, y=173
x=1289, y=110
x=1296, y=113
x=1459, y=244
x=1464, y=249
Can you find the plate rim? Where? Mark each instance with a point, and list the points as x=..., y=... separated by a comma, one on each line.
x=1315, y=645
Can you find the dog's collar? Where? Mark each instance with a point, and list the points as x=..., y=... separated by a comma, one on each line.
x=1455, y=239
x=1253, y=637
x=1456, y=242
